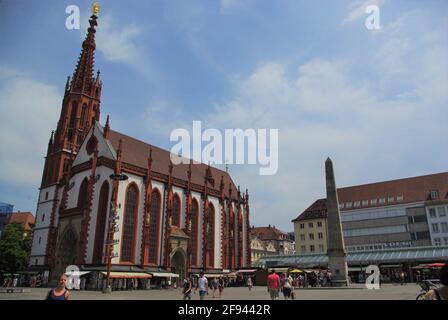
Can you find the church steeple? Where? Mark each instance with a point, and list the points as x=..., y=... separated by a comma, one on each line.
x=80, y=109
x=83, y=80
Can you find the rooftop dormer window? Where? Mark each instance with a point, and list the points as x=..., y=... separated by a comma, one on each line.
x=434, y=194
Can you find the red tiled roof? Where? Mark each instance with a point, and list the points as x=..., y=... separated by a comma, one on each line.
x=26, y=219
x=415, y=189
x=268, y=233
x=136, y=152
x=317, y=210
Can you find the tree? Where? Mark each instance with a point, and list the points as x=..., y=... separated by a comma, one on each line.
x=14, y=249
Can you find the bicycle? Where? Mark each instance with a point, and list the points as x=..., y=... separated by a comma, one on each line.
x=427, y=285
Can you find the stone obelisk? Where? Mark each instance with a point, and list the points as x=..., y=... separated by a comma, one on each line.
x=337, y=257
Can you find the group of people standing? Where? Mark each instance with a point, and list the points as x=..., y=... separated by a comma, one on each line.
x=281, y=283
x=313, y=279
x=203, y=286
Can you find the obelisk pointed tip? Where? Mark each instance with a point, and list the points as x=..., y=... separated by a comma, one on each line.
x=328, y=159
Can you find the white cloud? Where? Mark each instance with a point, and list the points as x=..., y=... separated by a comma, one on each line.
x=29, y=110
x=118, y=42
x=324, y=109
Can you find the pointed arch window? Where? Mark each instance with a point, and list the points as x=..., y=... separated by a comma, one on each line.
x=176, y=211
x=101, y=223
x=83, y=115
x=194, y=232
x=211, y=236
x=129, y=224
x=82, y=196
x=154, y=227
x=71, y=127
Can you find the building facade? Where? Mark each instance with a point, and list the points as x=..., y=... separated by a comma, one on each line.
x=310, y=229
x=174, y=218
x=281, y=241
x=26, y=219
x=438, y=224
x=259, y=249
x=5, y=212
x=407, y=212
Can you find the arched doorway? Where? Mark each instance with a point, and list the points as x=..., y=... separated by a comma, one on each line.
x=66, y=253
x=178, y=265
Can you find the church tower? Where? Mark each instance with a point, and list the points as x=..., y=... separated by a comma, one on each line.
x=80, y=109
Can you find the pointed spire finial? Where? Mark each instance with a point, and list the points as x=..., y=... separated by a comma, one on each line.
x=119, y=147
x=189, y=170
x=221, y=186
x=170, y=167
x=106, y=129
x=149, y=159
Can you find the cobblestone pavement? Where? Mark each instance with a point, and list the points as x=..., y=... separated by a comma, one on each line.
x=357, y=292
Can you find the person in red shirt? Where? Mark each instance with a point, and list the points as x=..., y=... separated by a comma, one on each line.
x=273, y=285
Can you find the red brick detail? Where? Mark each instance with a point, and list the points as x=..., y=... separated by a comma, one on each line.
x=85, y=224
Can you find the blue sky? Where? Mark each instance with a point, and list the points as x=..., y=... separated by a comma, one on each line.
x=374, y=101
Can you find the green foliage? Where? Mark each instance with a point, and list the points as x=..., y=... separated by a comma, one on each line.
x=15, y=247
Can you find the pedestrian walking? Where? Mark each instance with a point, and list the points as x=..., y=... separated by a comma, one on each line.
x=188, y=286
x=214, y=286
x=286, y=287
x=202, y=285
x=220, y=286
x=249, y=283
x=273, y=282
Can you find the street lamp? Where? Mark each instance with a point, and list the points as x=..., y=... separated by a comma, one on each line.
x=113, y=217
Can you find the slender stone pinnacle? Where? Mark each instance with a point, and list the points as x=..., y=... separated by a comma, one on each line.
x=337, y=261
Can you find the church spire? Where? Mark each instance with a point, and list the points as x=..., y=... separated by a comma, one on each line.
x=83, y=79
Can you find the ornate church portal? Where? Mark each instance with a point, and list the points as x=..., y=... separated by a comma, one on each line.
x=66, y=253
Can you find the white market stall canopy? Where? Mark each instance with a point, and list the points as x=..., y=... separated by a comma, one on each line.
x=77, y=273
x=164, y=275
x=247, y=271
x=128, y=275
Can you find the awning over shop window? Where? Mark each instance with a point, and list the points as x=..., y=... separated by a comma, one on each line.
x=355, y=269
x=391, y=266
x=247, y=271
x=79, y=273
x=277, y=270
x=128, y=275
x=215, y=275
x=165, y=275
